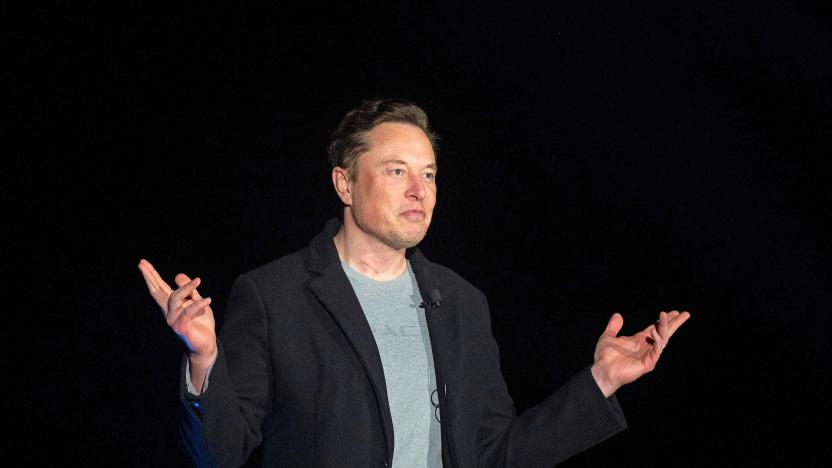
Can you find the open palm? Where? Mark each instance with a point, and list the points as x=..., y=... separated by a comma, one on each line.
x=620, y=360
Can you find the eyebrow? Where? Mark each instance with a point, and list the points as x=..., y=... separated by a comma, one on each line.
x=403, y=162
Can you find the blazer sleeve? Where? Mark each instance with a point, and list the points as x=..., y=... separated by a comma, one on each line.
x=571, y=420
x=221, y=427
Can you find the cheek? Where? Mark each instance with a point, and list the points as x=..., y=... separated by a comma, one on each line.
x=374, y=206
x=430, y=199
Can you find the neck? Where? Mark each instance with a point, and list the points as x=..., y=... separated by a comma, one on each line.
x=368, y=255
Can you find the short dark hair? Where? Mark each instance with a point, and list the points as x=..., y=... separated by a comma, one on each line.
x=348, y=141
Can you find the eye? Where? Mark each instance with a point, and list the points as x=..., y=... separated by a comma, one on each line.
x=397, y=172
x=429, y=176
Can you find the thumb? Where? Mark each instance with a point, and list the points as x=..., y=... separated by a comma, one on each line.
x=614, y=325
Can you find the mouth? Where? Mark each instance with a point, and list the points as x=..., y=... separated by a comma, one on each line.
x=414, y=215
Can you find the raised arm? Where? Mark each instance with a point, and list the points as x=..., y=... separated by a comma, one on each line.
x=220, y=426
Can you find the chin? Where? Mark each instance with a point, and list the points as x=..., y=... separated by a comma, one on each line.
x=400, y=240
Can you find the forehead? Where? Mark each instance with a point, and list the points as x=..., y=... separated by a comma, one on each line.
x=406, y=142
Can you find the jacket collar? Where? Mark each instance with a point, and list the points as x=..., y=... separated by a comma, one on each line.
x=324, y=260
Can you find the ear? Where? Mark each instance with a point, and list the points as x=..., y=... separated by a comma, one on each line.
x=341, y=182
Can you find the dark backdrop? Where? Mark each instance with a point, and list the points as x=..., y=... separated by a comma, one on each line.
x=595, y=157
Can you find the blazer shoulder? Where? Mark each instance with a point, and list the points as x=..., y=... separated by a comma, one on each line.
x=291, y=266
x=445, y=275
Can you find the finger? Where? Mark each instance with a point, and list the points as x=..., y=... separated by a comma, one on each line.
x=151, y=279
x=614, y=325
x=160, y=284
x=179, y=296
x=181, y=280
x=658, y=339
x=187, y=288
x=174, y=313
x=657, y=346
x=652, y=326
x=193, y=311
x=662, y=328
x=670, y=316
x=149, y=274
x=677, y=322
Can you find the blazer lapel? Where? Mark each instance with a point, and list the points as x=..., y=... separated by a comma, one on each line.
x=444, y=324
x=443, y=321
x=336, y=294
x=334, y=291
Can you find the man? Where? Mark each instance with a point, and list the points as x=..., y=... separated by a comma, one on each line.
x=358, y=351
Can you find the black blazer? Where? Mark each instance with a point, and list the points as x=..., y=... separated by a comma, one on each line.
x=299, y=371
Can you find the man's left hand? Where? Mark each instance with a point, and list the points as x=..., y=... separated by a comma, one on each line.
x=620, y=360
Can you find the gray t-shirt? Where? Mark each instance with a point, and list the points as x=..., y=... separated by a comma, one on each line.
x=401, y=334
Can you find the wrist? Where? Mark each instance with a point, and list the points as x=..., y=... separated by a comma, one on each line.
x=203, y=360
x=604, y=384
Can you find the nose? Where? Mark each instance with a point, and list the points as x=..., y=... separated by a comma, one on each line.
x=416, y=187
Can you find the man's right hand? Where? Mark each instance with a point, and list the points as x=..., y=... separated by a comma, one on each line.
x=188, y=314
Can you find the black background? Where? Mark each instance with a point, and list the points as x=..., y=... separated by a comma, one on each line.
x=595, y=157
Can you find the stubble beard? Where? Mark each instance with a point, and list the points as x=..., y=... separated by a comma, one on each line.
x=397, y=240
x=394, y=239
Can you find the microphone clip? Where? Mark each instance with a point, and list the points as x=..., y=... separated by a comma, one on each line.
x=433, y=301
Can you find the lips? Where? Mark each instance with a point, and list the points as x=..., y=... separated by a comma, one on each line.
x=415, y=215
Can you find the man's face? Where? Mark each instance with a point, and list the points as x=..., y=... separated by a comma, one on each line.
x=393, y=188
